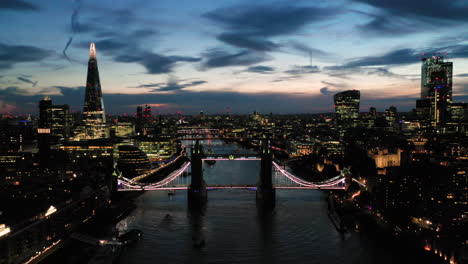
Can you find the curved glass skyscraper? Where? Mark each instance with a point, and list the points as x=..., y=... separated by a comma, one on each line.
x=347, y=108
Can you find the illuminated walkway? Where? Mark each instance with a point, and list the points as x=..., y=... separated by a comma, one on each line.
x=282, y=180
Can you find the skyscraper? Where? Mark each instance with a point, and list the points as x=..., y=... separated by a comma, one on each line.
x=93, y=110
x=56, y=118
x=436, y=87
x=347, y=108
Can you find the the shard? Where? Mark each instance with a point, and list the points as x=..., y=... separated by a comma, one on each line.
x=93, y=110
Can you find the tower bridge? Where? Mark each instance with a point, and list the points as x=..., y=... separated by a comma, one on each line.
x=272, y=176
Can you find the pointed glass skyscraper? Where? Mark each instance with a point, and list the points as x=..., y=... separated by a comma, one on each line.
x=94, y=116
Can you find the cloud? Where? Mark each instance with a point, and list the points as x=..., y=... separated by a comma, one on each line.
x=384, y=24
x=249, y=42
x=18, y=5
x=403, y=57
x=306, y=50
x=268, y=20
x=345, y=72
x=336, y=87
x=260, y=69
x=172, y=84
x=108, y=45
x=64, y=52
x=26, y=80
x=155, y=63
x=326, y=91
x=251, y=27
x=296, y=69
x=12, y=54
x=462, y=75
x=404, y=17
x=219, y=58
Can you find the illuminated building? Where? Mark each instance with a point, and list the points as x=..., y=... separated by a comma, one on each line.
x=459, y=112
x=144, y=120
x=132, y=161
x=436, y=86
x=123, y=129
x=390, y=117
x=55, y=117
x=384, y=158
x=300, y=148
x=94, y=117
x=158, y=148
x=347, y=108
x=90, y=149
x=14, y=167
x=10, y=136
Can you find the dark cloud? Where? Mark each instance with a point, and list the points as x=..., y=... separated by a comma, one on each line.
x=249, y=42
x=403, y=56
x=462, y=75
x=172, y=84
x=64, y=52
x=260, y=69
x=18, y=5
x=326, y=91
x=250, y=27
x=268, y=20
x=12, y=54
x=106, y=45
x=26, y=80
x=423, y=9
x=403, y=17
x=155, y=63
x=384, y=24
x=296, y=69
x=75, y=25
x=344, y=72
x=306, y=50
x=336, y=87
x=219, y=58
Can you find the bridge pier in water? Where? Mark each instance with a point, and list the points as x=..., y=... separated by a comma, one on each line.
x=266, y=195
x=197, y=195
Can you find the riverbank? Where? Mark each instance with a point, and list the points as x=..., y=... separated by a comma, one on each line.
x=100, y=226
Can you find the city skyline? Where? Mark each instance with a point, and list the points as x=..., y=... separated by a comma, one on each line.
x=183, y=57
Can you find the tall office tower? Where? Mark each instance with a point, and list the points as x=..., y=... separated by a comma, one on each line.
x=139, y=121
x=347, y=108
x=55, y=118
x=144, y=120
x=45, y=106
x=373, y=111
x=147, y=113
x=94, y=117
x=436, y=86
x=390, y=117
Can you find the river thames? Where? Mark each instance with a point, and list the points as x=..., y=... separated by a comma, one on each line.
x=234, y=231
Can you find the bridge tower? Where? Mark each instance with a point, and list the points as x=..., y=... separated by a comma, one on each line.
x=197, y=189
x=265, y=192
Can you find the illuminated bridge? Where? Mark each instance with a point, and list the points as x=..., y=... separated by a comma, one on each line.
x=272, y=176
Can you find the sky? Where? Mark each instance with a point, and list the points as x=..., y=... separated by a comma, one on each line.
x=287, y=56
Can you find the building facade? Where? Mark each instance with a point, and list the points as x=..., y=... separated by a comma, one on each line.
x=436, y=87
x=347, y=108
x=94, y=117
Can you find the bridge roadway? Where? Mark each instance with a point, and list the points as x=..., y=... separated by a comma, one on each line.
x=231, y=186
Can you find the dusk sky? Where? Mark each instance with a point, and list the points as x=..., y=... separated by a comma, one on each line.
x=269, y=56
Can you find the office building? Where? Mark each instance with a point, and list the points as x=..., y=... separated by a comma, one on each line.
x=347, y=108
x=94, y=117
x=436, y=86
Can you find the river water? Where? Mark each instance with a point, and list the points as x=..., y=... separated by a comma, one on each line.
x=298, y=231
